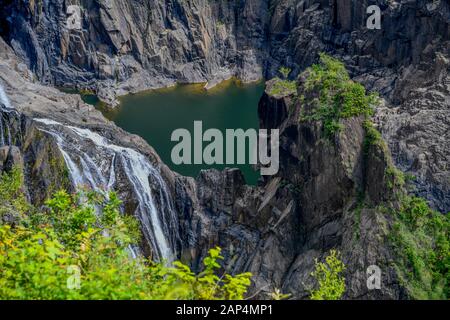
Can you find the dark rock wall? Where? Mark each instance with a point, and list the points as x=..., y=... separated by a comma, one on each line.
x=277, y=229
x=38, y=156
x=133, y=45
x=127, y=46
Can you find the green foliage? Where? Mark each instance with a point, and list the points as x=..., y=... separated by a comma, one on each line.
x=12, y=198
x=372, y=137
x=421, y=239
x=285, y=72
x=79, y=249
x=32, y=264
x=335, y=95
x=328, y=274
x=207, y=285
x=394, y=178
x=278, y=295
x=283, y=88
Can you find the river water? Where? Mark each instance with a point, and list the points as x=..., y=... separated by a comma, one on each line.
x=155, y=114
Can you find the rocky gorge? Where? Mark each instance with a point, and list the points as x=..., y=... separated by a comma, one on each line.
x=326, y=195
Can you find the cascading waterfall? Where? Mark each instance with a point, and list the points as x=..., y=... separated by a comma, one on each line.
x=4, y=98
x=93, y=161
x=6, y=110
x=2, y=135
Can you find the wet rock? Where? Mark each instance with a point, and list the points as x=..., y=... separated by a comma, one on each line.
x=277, y=229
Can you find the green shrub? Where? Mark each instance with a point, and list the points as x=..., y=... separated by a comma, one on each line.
x=283, y=88
x=336, y=96
x=395, y=179
x=83, y=239
x=372, y=136
x=285, y=72
x=12, y=198
x=328, y=274
x=421, y=239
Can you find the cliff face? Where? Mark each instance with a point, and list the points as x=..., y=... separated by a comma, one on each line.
x=127, y=46
x=134, y=45
x=274, y=230
x=131, y=45
x=314, y=204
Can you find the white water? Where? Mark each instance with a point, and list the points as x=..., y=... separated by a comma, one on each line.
x=4, y=126
x=4, y=98
x=98, y=171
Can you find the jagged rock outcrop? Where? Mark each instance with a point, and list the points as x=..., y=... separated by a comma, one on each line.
x=127, y=46
x=277, y=229
x=61, y=142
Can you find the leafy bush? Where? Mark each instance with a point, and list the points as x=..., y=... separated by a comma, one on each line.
x=328, y=274
x=80, y=249
x=285, y=72
x=335, y=95
x=12, y=198
x=394, y=178
x=421, y=239
x=283, y=87
x=372, y=137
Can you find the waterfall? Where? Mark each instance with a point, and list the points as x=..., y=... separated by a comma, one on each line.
x=4, y=101
x=2, y=135
x=94, y=161
x=5, y=110
x=4, y=98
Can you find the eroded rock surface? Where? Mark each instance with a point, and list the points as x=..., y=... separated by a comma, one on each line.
x=128, y=46
x=277, y=229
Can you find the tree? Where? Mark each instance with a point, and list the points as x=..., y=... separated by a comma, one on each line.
x=79, y=248
x=328, y=274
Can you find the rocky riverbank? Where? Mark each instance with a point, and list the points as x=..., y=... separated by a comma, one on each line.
x=326, y=195
x=124, y=47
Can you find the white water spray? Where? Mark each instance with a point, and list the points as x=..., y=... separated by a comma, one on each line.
x=5, y=109
x=4, y=98
x=98, y=171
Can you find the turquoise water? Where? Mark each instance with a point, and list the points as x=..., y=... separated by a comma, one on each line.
x=155, y=114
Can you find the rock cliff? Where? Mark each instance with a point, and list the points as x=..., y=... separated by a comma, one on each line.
x=127, y=46
x=274, y=230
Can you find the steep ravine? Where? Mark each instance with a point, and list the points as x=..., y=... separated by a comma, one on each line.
x=275, y=230
x=128, y=46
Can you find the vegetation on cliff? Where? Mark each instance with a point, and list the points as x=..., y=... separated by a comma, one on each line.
x=333, y=95
x=418, y=235
x=421, y=238
x=79, y=248
x=283, y=86
x=329, y=277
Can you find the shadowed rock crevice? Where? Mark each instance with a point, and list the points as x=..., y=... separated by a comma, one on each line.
x=328, y=192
